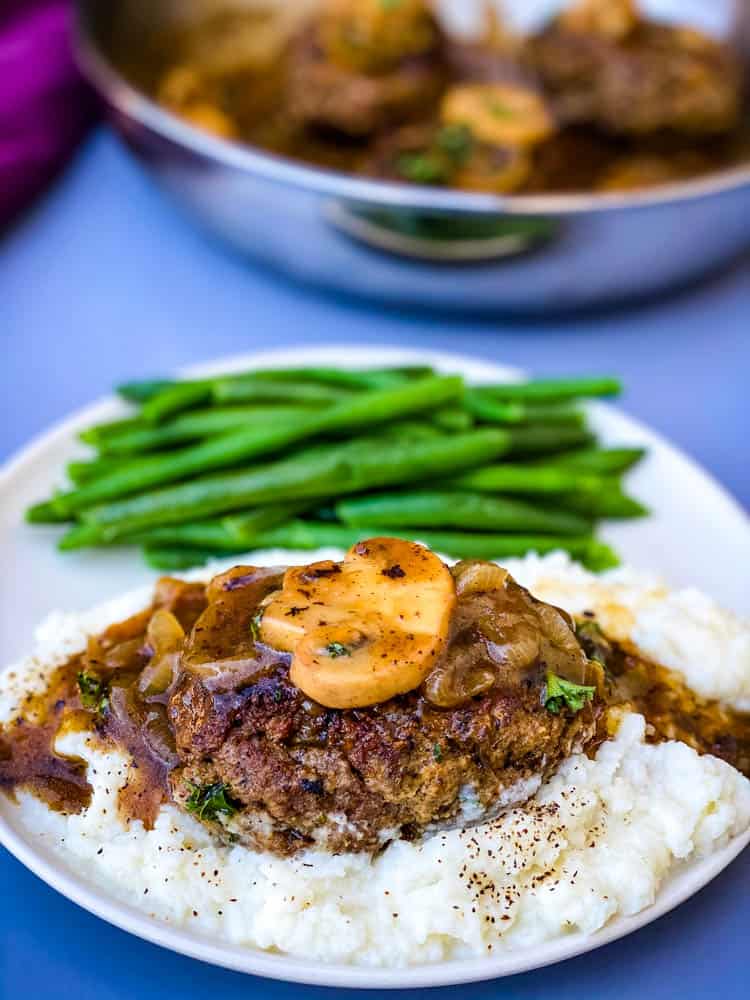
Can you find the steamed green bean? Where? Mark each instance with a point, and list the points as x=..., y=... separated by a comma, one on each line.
x=600, y=461
x=327, y=471
x=555, y=389
x=310, y=535
x=443, y=509
x=225, y=450
x=193, y=426
x=525, y=479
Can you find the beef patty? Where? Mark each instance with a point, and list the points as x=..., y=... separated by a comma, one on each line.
x=352, y=102
x=267, y=767
x=656, y=78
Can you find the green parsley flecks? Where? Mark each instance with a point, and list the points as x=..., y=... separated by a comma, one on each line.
x=336, y=649
x=94, y=691
x=208, y=802
x=560, y=694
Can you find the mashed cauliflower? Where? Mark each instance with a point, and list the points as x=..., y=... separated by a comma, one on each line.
x=596, y=841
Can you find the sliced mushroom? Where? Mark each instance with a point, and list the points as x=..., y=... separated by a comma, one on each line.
x=501, y=114
x=185, y=92
x=494, y=169
x=366, y=629
x=610, y=19
x=371, y=36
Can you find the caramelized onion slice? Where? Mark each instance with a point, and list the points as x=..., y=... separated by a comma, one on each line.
x=502, y=637
x=164, y=636
x=449, y=685
x=474, y=577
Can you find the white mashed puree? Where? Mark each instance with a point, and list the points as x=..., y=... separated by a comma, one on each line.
x=596, y=841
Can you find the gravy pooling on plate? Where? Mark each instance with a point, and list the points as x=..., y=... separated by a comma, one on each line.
x=211, y=719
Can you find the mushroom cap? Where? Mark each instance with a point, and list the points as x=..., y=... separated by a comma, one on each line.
x=501, y=114
x=366, y=629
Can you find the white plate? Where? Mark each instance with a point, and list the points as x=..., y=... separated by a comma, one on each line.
x=697, y=536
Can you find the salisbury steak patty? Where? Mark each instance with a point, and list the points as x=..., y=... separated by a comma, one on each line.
x=279, y=772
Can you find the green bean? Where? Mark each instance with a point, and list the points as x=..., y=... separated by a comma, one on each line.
x=301, y=386
x=45, y=513
x=453, y=418
x=175, y=398
x=490, y=410
x=234, y=390
x=326, y=471
x=81, y=536
x=438, y=509
x=242, y=445
x=403, y=431
x=200, y=535
x=371, y=378
x=245, y=527
x=231, y=534
x=524, y=479
x=140, y=392
x=603, y=461
x=605, y=500
x=555, y=390
x=194, y=425
x=310, y=535
x=543, y=439
x=85, y=472
x=95, y=434
x=554, y=414
x=366, y=378
x=173, y=559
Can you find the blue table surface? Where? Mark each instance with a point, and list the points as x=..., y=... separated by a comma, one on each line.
x=105, y=280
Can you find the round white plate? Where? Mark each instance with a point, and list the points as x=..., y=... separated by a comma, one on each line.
x=697, y=536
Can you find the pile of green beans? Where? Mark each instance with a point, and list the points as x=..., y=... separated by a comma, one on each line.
x=309, y=457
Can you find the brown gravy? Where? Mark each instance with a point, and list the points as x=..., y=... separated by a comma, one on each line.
x=233, y=86
x=139, y=725
x=132, y=722
x=675, y=712
x=27, y=757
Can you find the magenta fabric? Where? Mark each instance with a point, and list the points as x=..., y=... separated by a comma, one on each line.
x=45, y=107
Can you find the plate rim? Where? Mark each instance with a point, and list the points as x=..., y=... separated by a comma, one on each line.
x=56, y=873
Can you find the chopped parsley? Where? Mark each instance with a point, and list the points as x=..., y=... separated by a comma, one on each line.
x=94, y=691
x=561, y=694
x=422, y=168
x=437, y=752
x=255, y=624
x=450, y=148
x=498, y=110
x=455, y=140
x=208, y=801
x=336, y=649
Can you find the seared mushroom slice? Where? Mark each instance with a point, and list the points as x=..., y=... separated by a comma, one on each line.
x=373, y=36
x=610, y=19
x=366, y=629
x=500, y=114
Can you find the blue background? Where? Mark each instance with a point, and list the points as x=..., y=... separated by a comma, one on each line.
x=105, y=280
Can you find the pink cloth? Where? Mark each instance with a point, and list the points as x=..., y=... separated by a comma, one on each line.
x=45, y=108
